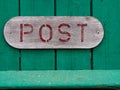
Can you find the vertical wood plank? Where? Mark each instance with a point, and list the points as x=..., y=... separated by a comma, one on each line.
x=37, y=59
x=107, y=55
x=9, y=56
x=73, y=59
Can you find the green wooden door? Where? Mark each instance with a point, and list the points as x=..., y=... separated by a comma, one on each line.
x=104, y=57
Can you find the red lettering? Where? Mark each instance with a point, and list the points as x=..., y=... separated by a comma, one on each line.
x=82, y=31
x=29, y=25
x=21, y=30
x=64, y=32
x=40, y=32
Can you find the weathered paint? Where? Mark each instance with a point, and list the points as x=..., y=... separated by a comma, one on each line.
x=53, y=32
x=105, y=56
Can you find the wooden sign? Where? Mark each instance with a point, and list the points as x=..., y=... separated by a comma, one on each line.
x=53, y=32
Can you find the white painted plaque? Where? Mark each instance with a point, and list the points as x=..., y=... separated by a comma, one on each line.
x=44, y=32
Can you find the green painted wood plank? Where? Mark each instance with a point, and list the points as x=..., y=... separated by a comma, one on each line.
x=73, y=59
x=9, y=57
x=107, y=55
x=37, y=59
x=60, y=79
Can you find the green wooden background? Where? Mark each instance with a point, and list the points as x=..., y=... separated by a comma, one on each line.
x=105, y=56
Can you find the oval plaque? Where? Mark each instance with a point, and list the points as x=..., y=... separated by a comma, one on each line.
x=53, y=32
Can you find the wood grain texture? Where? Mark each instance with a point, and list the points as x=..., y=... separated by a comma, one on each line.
x=54, y=38
x=109, y=79
x=107, y=55
x=9, y=57
x=37, y=59
x=73, y=59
